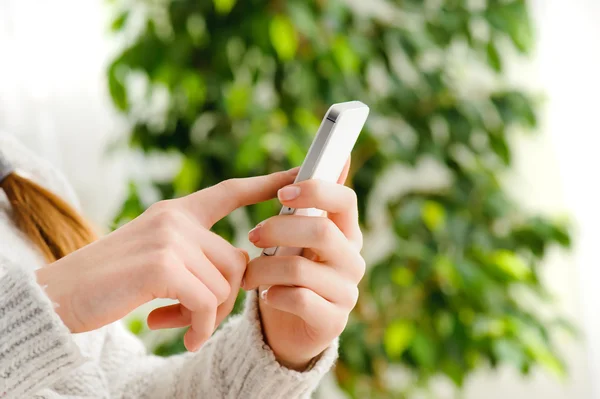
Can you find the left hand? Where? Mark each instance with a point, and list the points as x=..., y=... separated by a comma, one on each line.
x=309, y=298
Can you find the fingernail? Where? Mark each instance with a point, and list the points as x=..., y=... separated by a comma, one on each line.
x=191, y=343
x=246, y=255
x=263, y=294
x=288, y=193
x=254, y=234
x=294, y=171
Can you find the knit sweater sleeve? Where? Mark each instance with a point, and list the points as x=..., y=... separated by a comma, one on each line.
x=37, y=352
x=36, y=349
x=234, y=363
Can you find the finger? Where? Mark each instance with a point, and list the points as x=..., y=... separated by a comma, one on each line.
x=301, y=272
x=319, y=234
x=214, y=203
x=197, y=262
x=316, y=311
x=172, y=316
x=225, y=308
x=210, y=276
x=345, y=171
x=202, y=304
x=337, y=200
x=230, y=261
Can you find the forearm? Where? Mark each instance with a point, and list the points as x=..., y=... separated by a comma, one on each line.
x=36, y=349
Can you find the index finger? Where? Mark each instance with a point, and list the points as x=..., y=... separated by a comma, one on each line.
x=345, y=172
x=338, y=201
x=214, y=203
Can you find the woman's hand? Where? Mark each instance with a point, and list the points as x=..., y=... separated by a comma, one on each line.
x=309, y=297
x=167, y=252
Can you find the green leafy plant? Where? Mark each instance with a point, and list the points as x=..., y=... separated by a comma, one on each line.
x=243, y=86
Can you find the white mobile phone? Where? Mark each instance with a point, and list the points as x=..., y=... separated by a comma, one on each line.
x=327, y=155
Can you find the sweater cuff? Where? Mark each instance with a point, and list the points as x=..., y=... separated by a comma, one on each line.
x=249, y=361
x=36, y=348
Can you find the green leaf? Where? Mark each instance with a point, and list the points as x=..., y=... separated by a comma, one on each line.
x=536, y=347
x=445, y=270
x=398, y=337
x=500, y=147
x=237, y=100
x=195, y=90
x=171, y=348
x=135, y=326
x=119, y=22
x=224, y=6
x=455, y=371
x=188, y=179
x=493, y=57
x=515, y=107
x=304, y=19
x=402, y=276
x=434, y=215
x=513, y=19
x=196, y=28
x=509, y=352
x=345, y=56
x=117, y=89
x=444, y=323
x=252, y=152
x=423, y=349
x=307, y=120
x=283, y=37
x=131, y=208
x=561, y=235
x=353, y=352
x=511, y=264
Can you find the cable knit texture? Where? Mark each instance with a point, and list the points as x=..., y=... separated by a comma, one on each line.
x=40, y=358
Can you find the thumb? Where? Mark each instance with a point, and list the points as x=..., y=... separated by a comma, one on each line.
x=345, y=172
x=214, y=203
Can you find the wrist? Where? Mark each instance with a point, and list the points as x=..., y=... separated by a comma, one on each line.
x=284, y=354
x=50, y=288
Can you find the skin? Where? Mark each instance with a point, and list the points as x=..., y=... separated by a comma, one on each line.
x=170, y=252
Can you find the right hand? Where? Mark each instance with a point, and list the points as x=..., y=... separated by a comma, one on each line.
x=167, y=252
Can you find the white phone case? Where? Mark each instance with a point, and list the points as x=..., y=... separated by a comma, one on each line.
x=327, y=155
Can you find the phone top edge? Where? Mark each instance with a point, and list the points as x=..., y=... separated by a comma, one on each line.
x=336, y=110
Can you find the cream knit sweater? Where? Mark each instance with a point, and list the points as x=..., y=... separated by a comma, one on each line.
x=40, y=358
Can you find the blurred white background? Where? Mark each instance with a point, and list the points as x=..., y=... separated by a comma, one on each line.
x=52, y=96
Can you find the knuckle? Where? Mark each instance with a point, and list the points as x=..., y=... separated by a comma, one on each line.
x=353, y=198
x=204, y=331
x=338, y=325
x=228, y=185
x=302, y=299
x=316, y=190
x=168, y=237
x=207, y=303
x=164, y=215
x=223, y=292
x=162, y=261
x=361, y=268
x=159, y=207
x=312, y=186
x=324, y=229
x=295, y=270
x=360, y=240
x=210, y=302
x=238, y=266
x=354, y=295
